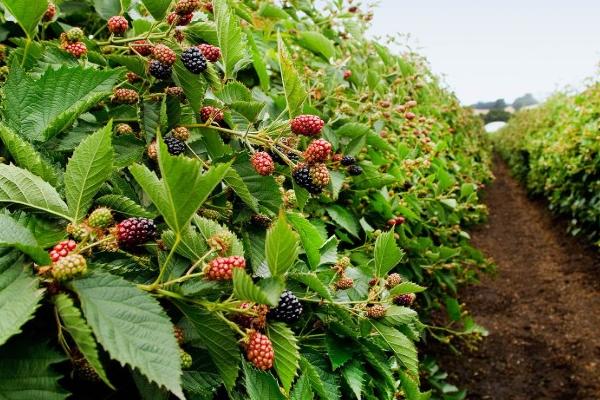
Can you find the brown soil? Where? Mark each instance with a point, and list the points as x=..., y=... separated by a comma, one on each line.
x=542, y=309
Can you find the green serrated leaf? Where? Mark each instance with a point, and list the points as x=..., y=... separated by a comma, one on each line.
x=295, y=93
x=302, y=389
x=260, y=385
x=13, y=234
x=402, y=346
x=124, y=205
x=338, y=351
x=317, y=43
x=312, y=281
x=157, y=8
x=235, y=182
x=28, y=14
x=281, y=247
x=218, y=339
x=387, y=254
x=287, y=355
x=88, y=168
x=132, y=326
x=354, y=375
x=309, y=236
x=245, y=289
x=231, y=39
x=19, y=294
x=26, y=372
x=344, y=218
x=406, y=287
x=19, y=186
x=81, y=333
x=259, y=64
x=194, y=86
x=26, y=156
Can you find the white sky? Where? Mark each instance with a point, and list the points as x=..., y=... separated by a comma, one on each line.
x=499, y=49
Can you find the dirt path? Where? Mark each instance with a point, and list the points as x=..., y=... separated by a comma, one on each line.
x=542, y=309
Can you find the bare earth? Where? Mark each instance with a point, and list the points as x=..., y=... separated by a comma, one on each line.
x=542, y=309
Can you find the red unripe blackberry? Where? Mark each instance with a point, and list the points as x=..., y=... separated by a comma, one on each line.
x=318, y=151
x=132, y=77
x=348, y=160
x=62, y=250
x=221, y=268
x=101, y=217
x=179, y=20
x=135, y=231
x=50, y=13
x=347, y=74
x=181, y=133
x=288, y=309
x=400, y=220
x=69, y=267
x=319, y=174
x=263, y=163
x=125, y=96
x=259, y=351
x=193, y=60
x=77, y=49
x=354, y=170
x=212, y=53
x=261, y=220
x=175, y=91
x=179, y=335
x=142, y=47
x=391, y=221
x=307, y=125
x=159, y=70
x=117, y=25
x=302, y=177
x=405, y=299
x=410, y=115
x=210, y=112
x=376, y=311
x=174, y=145
x=207, y=6
x=186, y=6
x=344, y=283
x=393, y=280
x=164, y=54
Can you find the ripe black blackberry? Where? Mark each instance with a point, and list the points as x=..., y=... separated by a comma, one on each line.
x=159, y=70
x=303, y=178
x=194, y=60
x=288, y=310
x=354, y=170
x=348, y=160
x=261, y=220
x=135, y=231
x=174, y=145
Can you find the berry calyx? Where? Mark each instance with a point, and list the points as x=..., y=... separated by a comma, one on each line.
x=100, y=218
x=319, y=174
x=393, y=280
x=125, y=96
x=259, y=351
x=262, y=163
x=221, y=268
x=212, y=53
x=344, y=283
x=77, y=50
x=124, y=129
x=186, y=359
x=209, y=112
x=318, y=151
x=50, y=13
x=135, y=231
x=307, y=125
x=164, y=54
x=288, y=309
x=186, y=6
x=159, y=70
x=347, y=161
x=405, y=300
x=376, y=311
x=117, y=25
x=354, y=170
x=174, y=145
x=181, y=133
x=62, y=249
x=69, y=267
x=193, y=59
x=142, y=47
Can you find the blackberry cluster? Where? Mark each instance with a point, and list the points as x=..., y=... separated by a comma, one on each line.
x=117, y=25
x=124, y=129
x=186, y=359
x=405, y=300
x=179, y=20
x=376, y=311
x=193, y=60
x=142, y=47
x=221, y=268
x=101, y=217
x=69, y=267
x=77, y=50
x=164, y=54
x=159, y=70
x=181, y=133
x=344, y=283
x=186, y=6
x=62, y=249
x=208, y=112
x=259, y=351
x=288, y=309
x=125, y=96
x=319, y=174
x=50, y=13
x=135, y=231
x=348, y=160
x=262, y=163
x=307, y=125
x=303, y=178
x=75, y=35
x=354, y=170
x=261, y=220
x=174, y=145
x=132, y=77
x=212, y=53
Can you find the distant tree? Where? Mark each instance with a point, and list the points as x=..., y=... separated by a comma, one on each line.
x=496, y=114
x=490, y=105
x=524, y=101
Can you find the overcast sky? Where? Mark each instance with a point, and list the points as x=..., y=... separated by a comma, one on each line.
x=500, y=49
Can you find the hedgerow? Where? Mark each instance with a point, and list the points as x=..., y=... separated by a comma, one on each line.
x=554, y=149
x=226, y=200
